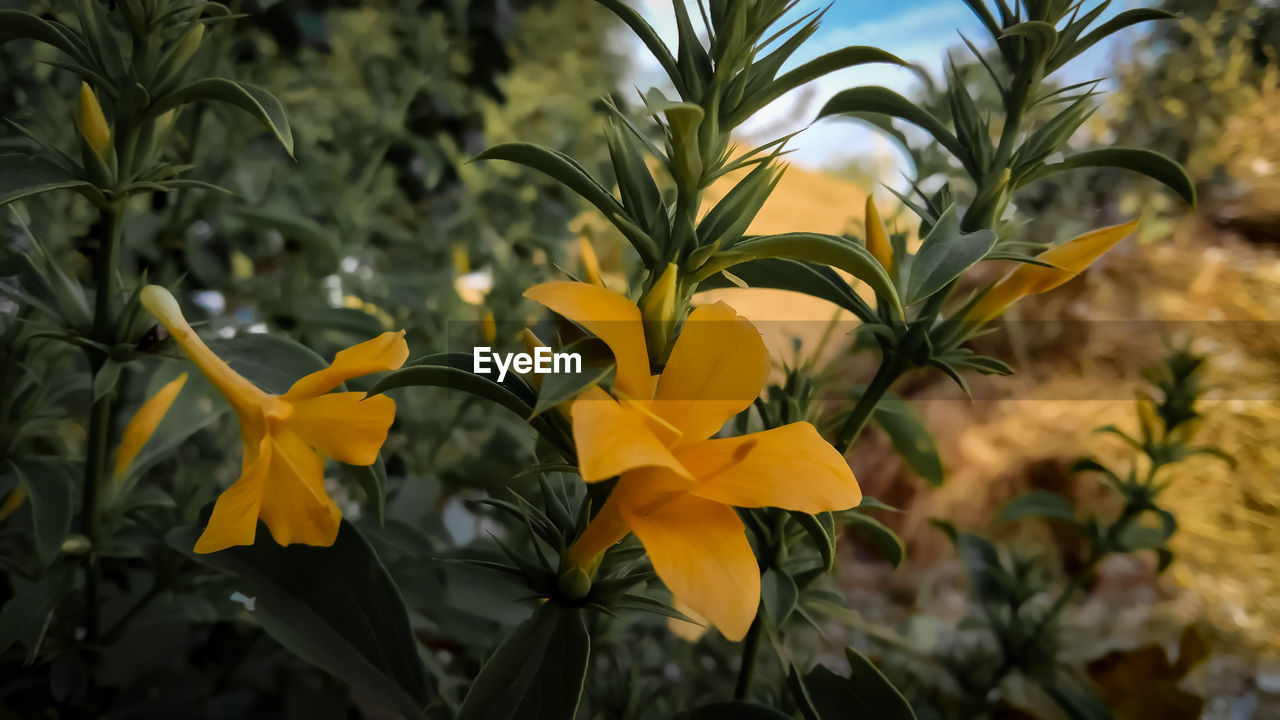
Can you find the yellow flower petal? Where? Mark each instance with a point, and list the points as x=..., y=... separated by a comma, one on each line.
x=877, y=237
x=144, y=423
x=244, y=397
x=716, y=370
x=347, y=427
x=295, y=506
x=1069, y=258
x=612, y=318
x=790, y=467
x=699, y=549
x=235, y=515
x=612, y=439
x=17, y=496
x=590, y=263
x=388, y=351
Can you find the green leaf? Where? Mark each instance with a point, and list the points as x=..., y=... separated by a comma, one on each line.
x=944, y=255
x=22, y=176
x=980, y=559
x=884, y=101
x=454, y=370
x=254, y=100
x=597, y=369
x=335, y=607
x=1037, y=503
x=910, y=437
x=26, y=614
x=779, y=595
x=1119, y=22
x=1148, y=162
x=817, y=281
x=650, y=38
x=812, y=70
x=568, y=172
x=1043, y=36
x=16, y=24
x=886, y=541
x=48, y=485
x=838, y=252
x=537, y=673
x=822, y=530
x=867, y=694
x=373, y=480
x=733, y=710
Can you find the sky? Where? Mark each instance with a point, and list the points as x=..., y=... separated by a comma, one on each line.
x=919, y=31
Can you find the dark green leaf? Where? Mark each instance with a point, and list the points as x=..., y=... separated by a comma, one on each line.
x=812, y=70
x=1114, y=25
x=822, y=530
x=48, y=485
x=272, y=362
x=886, y=540
x=25, y=615
x=537, y=673
x=883, y=101
x=778, y=595
x=254, y=100
x=373, y=480
x=649, y=37
x=818, y=281
x=838, y=252
x=1038, y=503
x=910, y=437
x=1148, y=162
x=335, y=607
x=597, y=368
x=454, y=370
x=24, y=175
x=735, y=710
x=944, y=255
x=867, y=694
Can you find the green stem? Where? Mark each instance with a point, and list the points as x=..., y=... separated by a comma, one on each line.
x=888, y=373
x=750, y=650
x=100, y=412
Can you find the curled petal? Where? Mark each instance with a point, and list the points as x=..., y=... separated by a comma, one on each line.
x=790, y=467
x=144, y=423
x=295, y=506
x=612, y=439
x=388, y=351
x=612, y=318
x=347, y=427
x=716, y=370
x=235, y=515
x=700, y=550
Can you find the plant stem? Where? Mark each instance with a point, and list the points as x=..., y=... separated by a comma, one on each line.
x=888, y=372
x=95, y=461
x=750, y=649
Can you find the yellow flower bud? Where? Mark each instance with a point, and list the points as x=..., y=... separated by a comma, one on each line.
x=488, y=328
x=658, y=309
x=16, y=498
x=590, y=263
x=93, y=124
x=187, y=46
x=877, y=237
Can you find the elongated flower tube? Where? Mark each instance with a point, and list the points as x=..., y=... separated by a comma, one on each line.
x=286, y=437
x=1068, y=260
x=93, y=124
x=677, y=487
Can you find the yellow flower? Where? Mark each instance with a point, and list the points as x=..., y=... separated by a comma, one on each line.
x=1069, y=260
x=93, y=124
x=17, y=496
x=590, y=263
x=286, y=437
x=144, y=423
x=677, y=488
x=877, y=237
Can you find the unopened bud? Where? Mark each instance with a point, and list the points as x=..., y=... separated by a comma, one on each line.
x=93, y=124
x=658, y=309
x=574, y=584
x=76, y=545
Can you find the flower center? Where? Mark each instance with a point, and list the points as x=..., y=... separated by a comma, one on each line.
x=277, y=411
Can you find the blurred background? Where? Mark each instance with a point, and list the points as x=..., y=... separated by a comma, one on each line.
x=383, y=223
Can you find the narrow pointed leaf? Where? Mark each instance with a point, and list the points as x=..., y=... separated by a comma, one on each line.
x=1148, y=162
x=254, y=100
